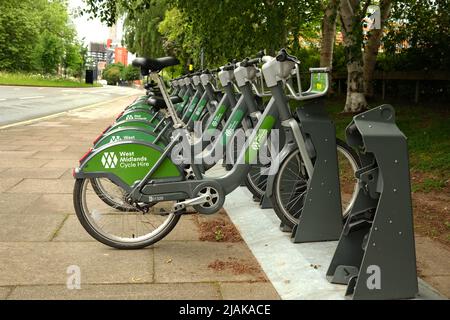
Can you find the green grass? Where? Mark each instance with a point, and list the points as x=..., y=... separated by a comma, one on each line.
x=427, y=128
x=21, y=79
x=429, y=184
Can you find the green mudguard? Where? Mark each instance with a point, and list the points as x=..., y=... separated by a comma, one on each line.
x=130, y=134
x=141, y=115
x=126, y=162
x=133, y=123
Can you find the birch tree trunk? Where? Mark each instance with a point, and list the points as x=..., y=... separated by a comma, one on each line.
x=328, y=34
x=371, y=49
x=350, y=16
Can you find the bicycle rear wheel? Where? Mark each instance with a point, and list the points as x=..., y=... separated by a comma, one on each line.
x=117, y=228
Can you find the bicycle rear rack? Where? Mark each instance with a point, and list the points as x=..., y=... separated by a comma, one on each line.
x=375, y=255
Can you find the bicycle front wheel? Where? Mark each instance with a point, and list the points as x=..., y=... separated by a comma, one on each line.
x=291, y=184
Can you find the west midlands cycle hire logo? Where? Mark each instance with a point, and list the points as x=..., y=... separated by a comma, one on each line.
x=109, y=160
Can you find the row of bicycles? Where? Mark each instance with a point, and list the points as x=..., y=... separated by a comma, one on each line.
x=250, y=123
x=163, y=153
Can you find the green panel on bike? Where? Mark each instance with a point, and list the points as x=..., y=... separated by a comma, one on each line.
x=140, y=124
x=129, y=162
x=180, y=106
x=231, y=127
x=191, y=108
x=261, y=136
x=139, y=104
x=218, y=117
x=138, y=115
x=199, y=110
x=128, y=134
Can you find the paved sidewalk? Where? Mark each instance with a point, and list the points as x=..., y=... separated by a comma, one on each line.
x=298, y=271
x=41, y=237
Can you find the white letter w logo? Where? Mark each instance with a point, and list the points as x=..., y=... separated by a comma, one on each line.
x=109, y=160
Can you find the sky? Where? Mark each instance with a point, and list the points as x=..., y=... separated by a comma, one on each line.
x=91, y=30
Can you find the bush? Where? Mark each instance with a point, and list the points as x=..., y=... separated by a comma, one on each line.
x=112, y=75
x=130, y=73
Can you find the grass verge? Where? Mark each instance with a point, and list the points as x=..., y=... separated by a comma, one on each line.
x=35, y=80
x=426, y=126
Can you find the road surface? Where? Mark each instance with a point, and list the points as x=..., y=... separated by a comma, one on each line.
x=24, y=103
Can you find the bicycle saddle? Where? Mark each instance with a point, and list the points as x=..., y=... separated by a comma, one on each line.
x=159, y=102
x=155, y=65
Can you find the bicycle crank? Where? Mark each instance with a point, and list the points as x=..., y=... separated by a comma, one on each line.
x=209, y=198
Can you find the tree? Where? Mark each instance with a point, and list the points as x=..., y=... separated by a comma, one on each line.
x=19, y=28
x=328, y=33
x=372, y=47
x=34, y=35
x=141, y=31
x=351, y=14
x=51, y=51
x=237, y=29
x=73, y=59
x=417, y=36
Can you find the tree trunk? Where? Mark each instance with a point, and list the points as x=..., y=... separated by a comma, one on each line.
x=350, y=16
x=328, y=34
x=373, y=44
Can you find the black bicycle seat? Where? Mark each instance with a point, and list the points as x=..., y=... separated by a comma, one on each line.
x=160, y=103
x=155, y=65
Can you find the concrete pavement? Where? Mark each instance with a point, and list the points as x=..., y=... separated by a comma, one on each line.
x=41, y=238
x=23, y=103
x=298, y=271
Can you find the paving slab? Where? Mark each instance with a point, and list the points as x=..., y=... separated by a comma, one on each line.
x=22, y=163
x=16, y=154
x=53, y=203
x=72, y=231
x=66, y=164
x=4, y=292
x=8, y=183
x=49, y=148
x=42, y=263
x=41, y=173
x=22, y=228
x=196, y=261
x=81, y=149
x=166, y=291
x=48, y=142
x=43, y=185
x=68, y=174
x=62, y=155
x=186, y=229
x=9, y=147
x=11, y=203
x=248, y=291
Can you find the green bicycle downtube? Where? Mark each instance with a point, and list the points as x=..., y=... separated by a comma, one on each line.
x=181, y=105
x=191, y=107
x=198, y=111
